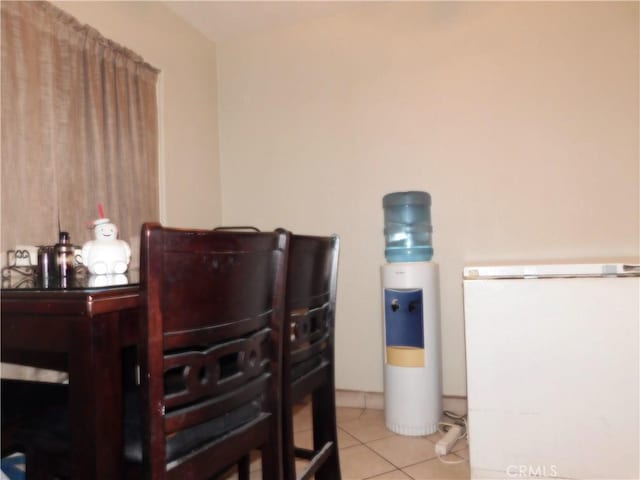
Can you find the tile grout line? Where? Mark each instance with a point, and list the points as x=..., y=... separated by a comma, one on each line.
x=395, y=467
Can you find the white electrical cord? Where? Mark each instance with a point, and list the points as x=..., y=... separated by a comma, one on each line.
x=459, y=421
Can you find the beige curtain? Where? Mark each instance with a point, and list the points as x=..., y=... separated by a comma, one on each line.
x=79, y=128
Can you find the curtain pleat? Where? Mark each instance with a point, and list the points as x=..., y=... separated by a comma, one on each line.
x=79, y=128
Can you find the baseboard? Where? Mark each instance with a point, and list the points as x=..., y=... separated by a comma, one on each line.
x=375, y=401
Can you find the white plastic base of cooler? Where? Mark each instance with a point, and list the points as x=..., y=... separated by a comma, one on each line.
x=412, y=400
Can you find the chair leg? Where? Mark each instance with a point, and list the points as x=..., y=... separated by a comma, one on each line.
x=272, y=453
x=325, y=430
x=288, y=447
x=330, y=470
x=244, y=470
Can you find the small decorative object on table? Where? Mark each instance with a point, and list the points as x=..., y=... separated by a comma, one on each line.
x=106, y=254
x=23, y=262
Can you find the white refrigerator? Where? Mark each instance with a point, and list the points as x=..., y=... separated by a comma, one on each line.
x=552, y=370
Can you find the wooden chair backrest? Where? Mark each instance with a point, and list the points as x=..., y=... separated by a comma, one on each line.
x=311, y=296
x=212, y=323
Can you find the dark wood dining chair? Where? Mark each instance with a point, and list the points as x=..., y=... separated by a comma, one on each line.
x=210, y=356
x=308, y=354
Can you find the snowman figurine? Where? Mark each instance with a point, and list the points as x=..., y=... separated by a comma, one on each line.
x=106, y=254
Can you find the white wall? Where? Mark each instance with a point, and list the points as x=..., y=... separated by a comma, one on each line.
x=190, y=183
x=520, y=119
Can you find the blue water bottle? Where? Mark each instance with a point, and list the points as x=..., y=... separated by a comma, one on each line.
x=407, y=227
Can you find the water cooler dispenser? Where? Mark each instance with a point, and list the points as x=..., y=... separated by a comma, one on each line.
x=411, y=323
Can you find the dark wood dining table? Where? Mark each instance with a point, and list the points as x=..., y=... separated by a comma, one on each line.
x=88, y=327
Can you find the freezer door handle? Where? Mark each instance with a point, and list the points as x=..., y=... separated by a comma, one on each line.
x=630, y=268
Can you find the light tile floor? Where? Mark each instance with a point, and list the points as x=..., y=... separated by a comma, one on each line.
x=369, y=451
